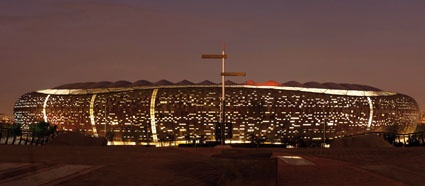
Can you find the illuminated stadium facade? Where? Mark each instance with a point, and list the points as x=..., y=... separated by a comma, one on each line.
x=151, y=113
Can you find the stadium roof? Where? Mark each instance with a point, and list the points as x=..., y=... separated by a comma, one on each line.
x=122, y=84
x=312, y=87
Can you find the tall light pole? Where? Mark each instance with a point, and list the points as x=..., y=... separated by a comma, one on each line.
x=222, y=56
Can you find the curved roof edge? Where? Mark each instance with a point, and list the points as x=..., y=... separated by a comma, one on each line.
x=127, y=84
x=301, y=89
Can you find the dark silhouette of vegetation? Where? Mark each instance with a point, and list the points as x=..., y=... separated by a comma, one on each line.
x=170, y=137
x=390, y=138
x=257, y=140
x=167, y=137
x=110, y=136
x=188, y=138
x=38, y=133
x=41, y=131
x=15, y=130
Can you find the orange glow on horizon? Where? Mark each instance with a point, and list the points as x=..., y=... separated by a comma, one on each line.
x=267, y=83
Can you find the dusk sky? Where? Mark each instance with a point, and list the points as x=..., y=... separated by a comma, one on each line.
x=44, y=44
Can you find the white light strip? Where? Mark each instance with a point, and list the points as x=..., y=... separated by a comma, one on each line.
x=370, y=113
x=93, y=124
x=44, y=108
x=152, y=114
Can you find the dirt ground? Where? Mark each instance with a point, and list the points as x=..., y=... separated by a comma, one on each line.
x=134, y=165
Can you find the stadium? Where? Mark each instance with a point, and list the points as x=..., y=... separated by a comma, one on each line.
x=153, y=113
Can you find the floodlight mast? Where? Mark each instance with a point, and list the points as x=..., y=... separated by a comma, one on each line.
x=223, y=56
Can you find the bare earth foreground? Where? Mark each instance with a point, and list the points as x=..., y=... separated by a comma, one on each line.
x=133, y=165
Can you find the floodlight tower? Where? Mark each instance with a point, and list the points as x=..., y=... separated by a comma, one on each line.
x=222, y=56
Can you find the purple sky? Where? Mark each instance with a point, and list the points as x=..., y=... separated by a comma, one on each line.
x=48, y=43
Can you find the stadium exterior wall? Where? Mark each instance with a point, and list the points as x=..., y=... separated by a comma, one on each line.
x=154, y=114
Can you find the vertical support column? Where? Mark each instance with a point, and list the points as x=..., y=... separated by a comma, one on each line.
x=44, y=108
x=92, y=121
x=152, y=115
x=369, y=124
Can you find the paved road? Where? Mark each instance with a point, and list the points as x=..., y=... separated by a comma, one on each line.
x=15, y=174
x=125, y=165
